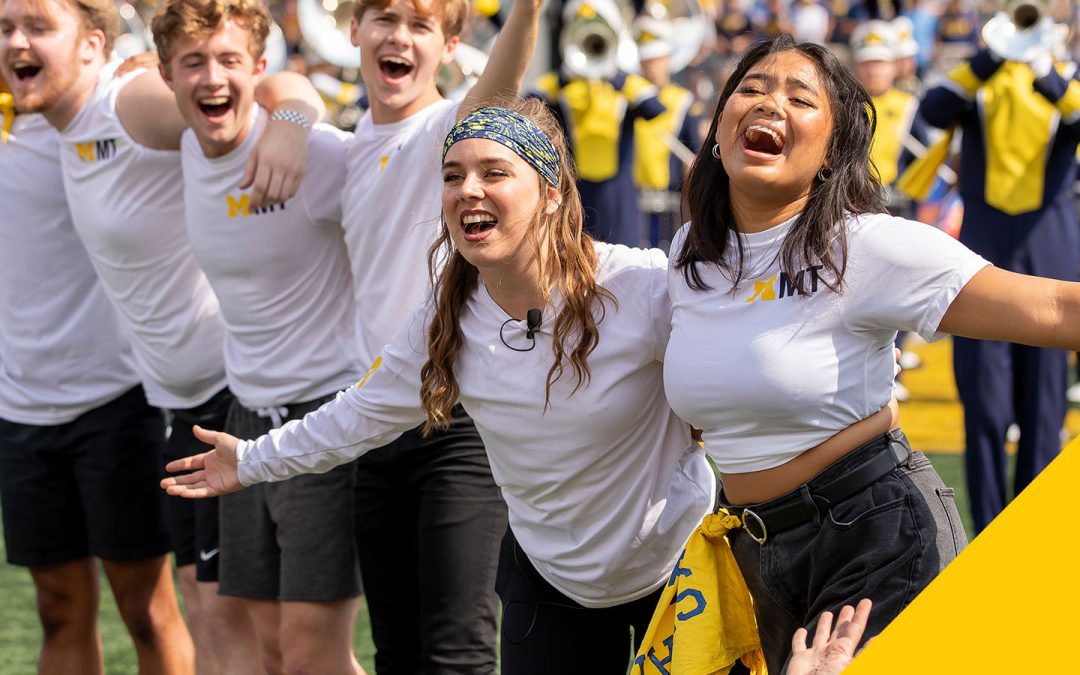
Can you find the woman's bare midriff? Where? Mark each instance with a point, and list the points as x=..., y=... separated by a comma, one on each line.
x=761, y=486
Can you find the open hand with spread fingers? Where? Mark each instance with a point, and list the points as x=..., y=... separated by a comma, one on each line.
x=213, y=473
x=832, y=650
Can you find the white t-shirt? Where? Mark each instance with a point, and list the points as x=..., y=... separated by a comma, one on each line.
x=62, y=352
x=603, y=488
x=767, y=373
x=281, y=273
x=391, y=207
x=127, y=204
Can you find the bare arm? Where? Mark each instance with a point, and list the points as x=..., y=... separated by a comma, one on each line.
x=278, y=162
x=509, y=58
x=1001, y=305
x=147, y=109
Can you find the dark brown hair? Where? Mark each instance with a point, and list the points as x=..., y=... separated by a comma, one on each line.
x=850, y=185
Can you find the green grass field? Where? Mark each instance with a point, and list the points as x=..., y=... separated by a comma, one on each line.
x=20, y=636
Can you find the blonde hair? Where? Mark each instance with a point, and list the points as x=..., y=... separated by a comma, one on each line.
x=451, y=13
x=93, y=15
x=568, y=271
x=196, y=19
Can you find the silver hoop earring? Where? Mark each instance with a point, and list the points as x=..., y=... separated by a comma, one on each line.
x=716, y=151
x=824, y=174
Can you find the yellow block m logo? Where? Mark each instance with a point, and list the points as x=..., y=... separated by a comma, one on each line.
x=86, y=151
x=239, y=207
x=763, y=290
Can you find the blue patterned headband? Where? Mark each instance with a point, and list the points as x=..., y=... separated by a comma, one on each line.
x=513, y=130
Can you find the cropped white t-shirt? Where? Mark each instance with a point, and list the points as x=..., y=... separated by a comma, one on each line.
x=281, y=272
x=62, y=352
x=603, y=488
x=767, y=373
x=391, y=208
x=127, y=204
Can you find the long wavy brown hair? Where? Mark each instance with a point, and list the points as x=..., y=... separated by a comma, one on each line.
x=567, y=263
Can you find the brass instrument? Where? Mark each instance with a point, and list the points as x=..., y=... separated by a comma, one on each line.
x=1024, y=31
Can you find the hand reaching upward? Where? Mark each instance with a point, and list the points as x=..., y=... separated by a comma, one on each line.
x=832, y=650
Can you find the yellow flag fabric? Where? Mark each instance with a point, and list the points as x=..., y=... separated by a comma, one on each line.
x=704, y=621
x=918, y=178
x=7, y=115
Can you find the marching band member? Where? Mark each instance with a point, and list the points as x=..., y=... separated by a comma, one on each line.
x=874, y=49
x=658, y=170
x=1021, y=125
x=597, y=104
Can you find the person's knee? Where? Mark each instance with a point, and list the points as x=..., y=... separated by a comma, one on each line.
x=65, y=610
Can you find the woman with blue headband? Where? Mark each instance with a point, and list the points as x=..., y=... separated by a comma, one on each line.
x=552, y=343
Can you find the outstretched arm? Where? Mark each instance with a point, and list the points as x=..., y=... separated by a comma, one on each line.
x=380, y=407
x=509, y=58
x=1001, y=305
x=832, y=650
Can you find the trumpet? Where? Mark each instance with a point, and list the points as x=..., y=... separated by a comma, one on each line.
x=1024, y=31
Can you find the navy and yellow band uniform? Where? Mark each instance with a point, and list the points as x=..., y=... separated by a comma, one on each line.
x=598, y=117
x=658, y=170
x=1018, y=165
x=897, y=118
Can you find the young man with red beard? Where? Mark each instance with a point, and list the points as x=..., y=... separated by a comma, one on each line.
x=429, y=517
x=119, y=141
x=77, y=439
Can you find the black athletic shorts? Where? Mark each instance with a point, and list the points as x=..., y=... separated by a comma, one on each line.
x=194, y=522
x=294, y=539
x=87, y=487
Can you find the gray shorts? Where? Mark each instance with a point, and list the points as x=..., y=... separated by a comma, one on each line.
x=291, y=540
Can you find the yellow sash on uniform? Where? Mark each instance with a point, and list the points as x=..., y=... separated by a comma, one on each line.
x=596, y=114
x=1018, y=127
x=705, y=620
x=652, y=156
x=895, y=110
x=7, y=115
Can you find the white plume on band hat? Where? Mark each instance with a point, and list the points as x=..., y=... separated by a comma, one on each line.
x=654, y=37
x=906, y=45
x=874, y=41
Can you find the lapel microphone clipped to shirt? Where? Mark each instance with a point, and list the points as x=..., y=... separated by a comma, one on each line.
x=533, y=319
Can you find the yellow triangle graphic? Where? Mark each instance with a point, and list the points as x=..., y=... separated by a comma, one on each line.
x=382, y=162
x=1008, y=603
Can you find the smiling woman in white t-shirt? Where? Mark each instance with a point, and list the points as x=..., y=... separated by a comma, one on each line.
x=553, y=344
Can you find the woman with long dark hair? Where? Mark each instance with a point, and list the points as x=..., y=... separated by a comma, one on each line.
x=788, y=287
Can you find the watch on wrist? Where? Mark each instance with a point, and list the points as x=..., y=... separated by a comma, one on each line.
x=290, y=116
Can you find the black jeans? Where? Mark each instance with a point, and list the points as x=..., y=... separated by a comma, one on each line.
x=428, y=519
x=545, y=632
x=885, y=542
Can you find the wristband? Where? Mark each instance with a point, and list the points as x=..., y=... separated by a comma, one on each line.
x=290, y=116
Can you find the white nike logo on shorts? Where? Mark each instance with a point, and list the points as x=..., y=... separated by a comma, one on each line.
x=206, y=555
